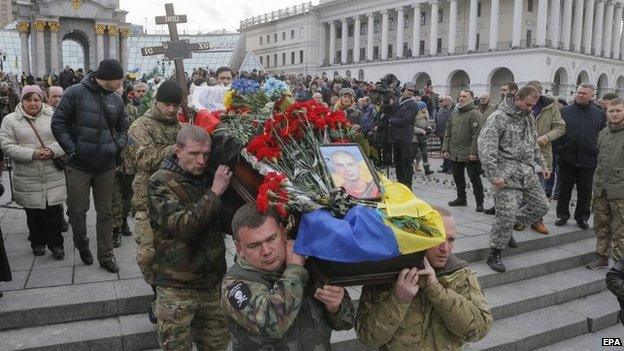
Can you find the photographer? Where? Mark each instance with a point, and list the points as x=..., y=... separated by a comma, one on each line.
x=421, y=130
x=8, y=100
x=402, y=133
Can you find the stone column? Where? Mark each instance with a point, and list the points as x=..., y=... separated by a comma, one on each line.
x=494, y=9
x=577, y=26
x=399, y=31
x=608, y=30
x=598, y=27
x=452, y=26
x=542, y=13
x=370, y=23
x=112, y=40
x=615, y=38
x=621, y=46
x=472, y=26
x=99, y=43
x=433, y=30
x=54, y=27
x=24, y=30
x=356, y=39
x=384, y=34
x=41, y=64
x=588, y=26
x=517, y=24
x=344, y=30
x=567, y=24
x=332, y=43
x=555, y=13
x=123, y=47
x=321, y=43
x=416, y=31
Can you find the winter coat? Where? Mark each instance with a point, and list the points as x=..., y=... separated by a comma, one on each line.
x=609, y=177
x=421, y=125
x=92, y=139
x=402, y=121
x=462, y=131
x=549, y=122
x=442, y=118
x=579, y=146
x=35, y=182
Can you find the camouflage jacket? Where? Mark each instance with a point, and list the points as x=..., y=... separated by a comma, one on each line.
x=462, y=130
x=609, y=177
x=442, y=316
x=189, y=251
x=153, y=136
x=128, y=161
x=278, y=311
x=508, y=146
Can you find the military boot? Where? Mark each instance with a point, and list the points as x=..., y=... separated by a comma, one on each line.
x=598, y=262
x=494, y=260
x=458, y=202
x=512, y=243
x=479, y=206
x=125, y=230
x=116, y=237
x=428, y=170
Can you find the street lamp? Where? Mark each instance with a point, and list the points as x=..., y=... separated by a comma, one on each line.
x=2, y=59
x=163, y=63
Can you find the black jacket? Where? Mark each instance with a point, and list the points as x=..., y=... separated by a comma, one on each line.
x=615, y=283
x=82, y=128
x=579, y=146
x=402, y=121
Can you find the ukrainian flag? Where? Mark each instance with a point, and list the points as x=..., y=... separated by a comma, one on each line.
x=400, y=224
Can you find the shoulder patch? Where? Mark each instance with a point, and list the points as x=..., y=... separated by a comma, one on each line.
x=475, y=124
x=239, y=295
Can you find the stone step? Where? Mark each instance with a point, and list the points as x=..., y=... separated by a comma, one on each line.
x=590, y=341
x=550, y=325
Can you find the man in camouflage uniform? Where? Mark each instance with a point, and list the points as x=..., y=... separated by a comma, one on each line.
x=153, y=136
x=184, y=210
x=266, y=294
x=511, y=160
x=439, y=307
x=608, y=202
x=122, y=186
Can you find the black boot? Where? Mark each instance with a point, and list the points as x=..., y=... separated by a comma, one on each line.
x=428, y=170
x=479, y=206
x=116, y=237
x=512, y=243
x=494, y=260
x=458, y=202
x=490, y=211
x=125, y=230
x=150, y=314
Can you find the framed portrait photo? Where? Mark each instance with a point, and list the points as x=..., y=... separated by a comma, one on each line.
x=350, y=169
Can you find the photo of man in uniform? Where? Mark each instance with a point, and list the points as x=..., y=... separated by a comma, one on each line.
x=347, y=172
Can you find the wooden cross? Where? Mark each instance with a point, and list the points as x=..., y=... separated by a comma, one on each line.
x=175, y=50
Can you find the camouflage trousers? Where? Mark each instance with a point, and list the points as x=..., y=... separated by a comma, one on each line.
x=189, y=315
x=609, y=226
x=507, y=201
x=145, y=245
x=122, y=193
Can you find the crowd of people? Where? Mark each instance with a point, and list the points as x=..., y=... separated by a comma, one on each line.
x=102, y=135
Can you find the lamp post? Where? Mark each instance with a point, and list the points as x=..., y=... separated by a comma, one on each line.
x=163, y=63
x=2, y=59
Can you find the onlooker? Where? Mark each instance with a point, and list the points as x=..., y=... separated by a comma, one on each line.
x=578, y=154
x=440, y=307
x=38, y=185
x=444, y=114
x=485, y=106
x=53, y=95
x=91, y=124
x=608, y=202
x=402, y=114
x=8, y=99
x=368, y=116
x=348, y=105
x=422, y=128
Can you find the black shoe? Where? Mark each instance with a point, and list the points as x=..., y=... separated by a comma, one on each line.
x=1, y=294
x=116, y=237
x=151, y=315
x=110, y=266
x=58, y=253
x=458, y=202
x=512, y=243
x=64, y=226
x=582, y=224
x=39, y=250
x=86, y=256
x=561, y=222
x=490, y=211
x=125, y=230
x=428, y=171
x=494, y=260
x=479, y=208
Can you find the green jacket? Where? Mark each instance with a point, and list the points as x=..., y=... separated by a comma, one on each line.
x=278, y=311
x=549, y=123
x=442, y=316
x=128, y=161
x=486, y=111
x=462, y=130
x=609, y=177
x=189, y=250
x=153, y=136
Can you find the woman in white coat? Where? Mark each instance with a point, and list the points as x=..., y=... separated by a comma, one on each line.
x=38, y=185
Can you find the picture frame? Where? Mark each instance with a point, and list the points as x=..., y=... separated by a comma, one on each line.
x=348, y=167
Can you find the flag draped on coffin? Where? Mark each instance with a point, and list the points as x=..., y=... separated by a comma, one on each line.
x=369, y=233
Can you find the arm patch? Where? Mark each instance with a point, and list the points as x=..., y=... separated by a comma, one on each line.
x=239, y=295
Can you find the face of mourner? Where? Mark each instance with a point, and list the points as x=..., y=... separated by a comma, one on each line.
x=615, y=114
x=264, y=247
x=168, y=109
x=584, y=96
x=527, y=103
x=464, y=98
x=438, y=256
x=225, y=78
x=32, y=104
x=193, y=157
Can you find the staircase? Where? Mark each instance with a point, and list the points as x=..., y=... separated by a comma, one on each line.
x=546, y=300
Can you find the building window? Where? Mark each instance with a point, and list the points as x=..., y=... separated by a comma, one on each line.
x=530, y=5
x=338, y=55
x=362, y=53
x=350, y=30
x=300, y=56
x=275, y=37
x=292, y=57
x=478, y=41
x=423, y=18
x=479, y=9
x=406, y=50
x=283, y=59
x=260, y=40
x=376, y=53
x=292, y=34
x=350, y=55
x=274, y=59
x=391, y=24
x=376, y=26
x=390, y=51
x=268, y=61
x=339, y=32
x=363, y=29
x=262, y=63
x=439, y=46
x=283, y=36
x=405, y=19
x=268, y=38
x=529, y=35
x=440, y=15
x=421, y=49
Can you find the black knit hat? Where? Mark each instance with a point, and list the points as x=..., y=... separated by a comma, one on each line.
x=169, y=92
x=109, y=69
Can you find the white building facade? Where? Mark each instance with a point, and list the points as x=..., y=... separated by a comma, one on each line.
x=454, y=44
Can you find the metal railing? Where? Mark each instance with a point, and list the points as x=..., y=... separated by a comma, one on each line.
x=275, y=15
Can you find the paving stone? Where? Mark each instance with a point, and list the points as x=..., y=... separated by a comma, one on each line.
x=137, y=332
x=133, y=296
x=18, y=282
x=48, y=261
x=50, y=277
x=92, y=273
x=591, y=341
x=600, y=309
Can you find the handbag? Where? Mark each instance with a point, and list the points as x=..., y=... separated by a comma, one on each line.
x=59, y=163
